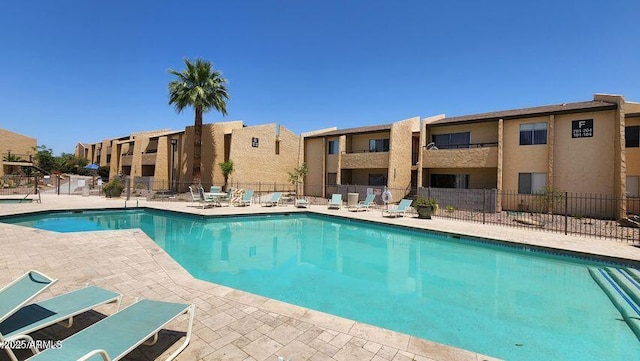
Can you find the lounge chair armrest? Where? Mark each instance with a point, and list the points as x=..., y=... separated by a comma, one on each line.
x=100, y=352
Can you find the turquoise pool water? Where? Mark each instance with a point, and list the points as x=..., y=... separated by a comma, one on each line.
x=495, y=300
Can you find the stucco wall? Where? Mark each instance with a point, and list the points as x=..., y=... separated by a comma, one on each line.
x=360, y=142
x=18, y=144
x=521, y=158
x=633, y=154
x=480, y=132
x=212, y=152
x=314, y=155
x=332, y=159
x=262, y=164
x=401, y=142
x=584, y=165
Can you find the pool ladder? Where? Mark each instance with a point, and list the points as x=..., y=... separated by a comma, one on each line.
x=125, y=203
x=622, y=286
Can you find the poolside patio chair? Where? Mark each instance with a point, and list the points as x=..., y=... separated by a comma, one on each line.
x=301, y=203
x=401, y=210
x=335, y=202
x=274, y=201
x=364, y=205
x=194, y=197
x=207, y=201
x=39, y=315
x=114, y=337
x=215, y=189
x=21, y=291
x=247, y=198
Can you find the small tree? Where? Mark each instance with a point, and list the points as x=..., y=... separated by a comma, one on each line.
x=227, y=168
x=549, y=199
x=297, y=176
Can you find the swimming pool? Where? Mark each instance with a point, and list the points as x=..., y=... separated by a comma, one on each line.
x=496, y=300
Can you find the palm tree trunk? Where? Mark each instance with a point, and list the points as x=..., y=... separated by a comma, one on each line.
x=197, y=147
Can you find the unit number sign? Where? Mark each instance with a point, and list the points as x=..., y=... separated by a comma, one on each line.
x=582, y=128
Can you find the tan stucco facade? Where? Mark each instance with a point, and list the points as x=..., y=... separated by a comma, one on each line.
x=266, y=162
x=493, y=159
x=17, y=145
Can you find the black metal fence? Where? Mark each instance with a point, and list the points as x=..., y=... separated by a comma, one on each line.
x=588, y=214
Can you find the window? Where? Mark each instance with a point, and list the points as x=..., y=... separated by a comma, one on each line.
x=633, y=186
x=460, y=181
x=378, y=145
x=332, y=179
x=632, y=136
x=377, y=179
x=277, y=147
x=533, y=133
x=333, y=147
x=452, y=140
x=531, y=183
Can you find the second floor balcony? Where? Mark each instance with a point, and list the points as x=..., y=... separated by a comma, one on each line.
x=484, y=155
x=365, y=160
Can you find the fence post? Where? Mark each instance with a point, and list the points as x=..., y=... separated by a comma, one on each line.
x=484, y=205
x=566, y=211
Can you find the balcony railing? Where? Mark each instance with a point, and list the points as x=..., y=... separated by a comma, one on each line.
x=365, y=160
x=16, y=157
x=351, y=151
x=461, y=145
x=476, y=157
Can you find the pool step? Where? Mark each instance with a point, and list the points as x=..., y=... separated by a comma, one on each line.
x=634, y=273
x=629, y=284
x=617, y=293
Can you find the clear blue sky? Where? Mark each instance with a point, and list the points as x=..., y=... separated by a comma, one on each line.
x=88, y=70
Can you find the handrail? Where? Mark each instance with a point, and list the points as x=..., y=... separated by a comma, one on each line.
x=462, y=145
x=365, y=151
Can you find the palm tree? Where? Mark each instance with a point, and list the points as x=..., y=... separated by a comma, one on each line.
x=203, y=88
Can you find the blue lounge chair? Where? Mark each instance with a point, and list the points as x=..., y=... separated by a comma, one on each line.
x=364, y=205
x=215, y=189
x=274, y=201
x=39, y=315
x=116, y=336
x=401, y=210
x=21, y=291
x=335, y=202
x=247, y=198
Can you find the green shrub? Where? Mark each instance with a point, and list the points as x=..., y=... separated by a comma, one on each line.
x=113, y=188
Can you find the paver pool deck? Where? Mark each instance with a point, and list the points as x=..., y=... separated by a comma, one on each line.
x=232, y=324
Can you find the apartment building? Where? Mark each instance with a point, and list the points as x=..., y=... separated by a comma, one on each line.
x=582, y=147
x=15, y=150
x=163, y=159
x=376, y=156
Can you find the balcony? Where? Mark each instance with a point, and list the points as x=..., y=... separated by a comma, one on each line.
x=476, y=156
x=365, y=160
x=126, y=159
x=149, y=158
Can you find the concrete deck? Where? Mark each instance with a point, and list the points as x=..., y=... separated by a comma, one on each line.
x=231, y=324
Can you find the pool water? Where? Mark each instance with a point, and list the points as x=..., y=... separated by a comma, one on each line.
x=490, y=299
